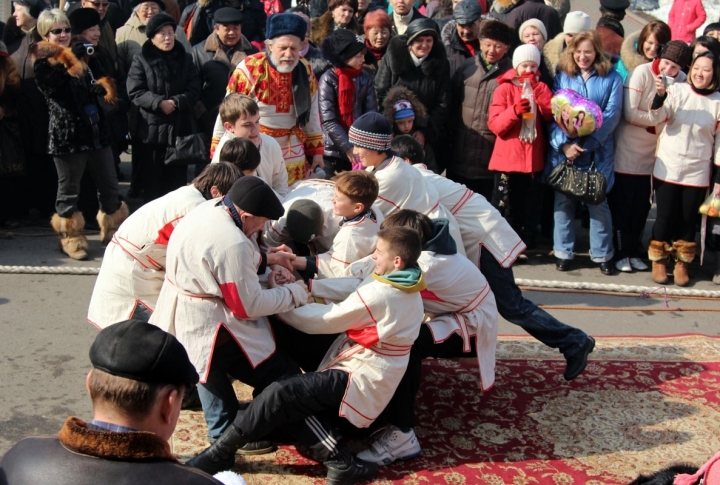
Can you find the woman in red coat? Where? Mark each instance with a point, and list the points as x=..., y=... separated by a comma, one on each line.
x=685, y=17
x=519, y=160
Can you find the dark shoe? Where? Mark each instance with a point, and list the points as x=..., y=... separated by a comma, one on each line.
x=562, y=264
x=257, y=448
x=576, y=363
x=606, y=268
x=344, y=469
x=220, y=456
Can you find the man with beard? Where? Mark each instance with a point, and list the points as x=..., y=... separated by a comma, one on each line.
x=283, y=85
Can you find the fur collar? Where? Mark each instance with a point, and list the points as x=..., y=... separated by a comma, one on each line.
x=400, y=91
x=212, y=44
x=133, y=445
x=169, y=64
x=401, y=62
x=448, y=32
x=628, y=52
x=56, y=54
x=323, y=26
x=503, y=6
x=552, y=51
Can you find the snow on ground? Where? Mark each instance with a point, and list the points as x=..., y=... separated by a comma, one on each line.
x=712, y=8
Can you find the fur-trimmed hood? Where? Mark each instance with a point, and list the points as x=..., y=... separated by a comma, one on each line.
x=397, y=92
x=133, y=445
x=212, y=44
x=401, y=62
x=553, y=51
x=323, y=26
x=628, y=52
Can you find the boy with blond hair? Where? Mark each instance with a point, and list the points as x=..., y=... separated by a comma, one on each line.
x=240, y=117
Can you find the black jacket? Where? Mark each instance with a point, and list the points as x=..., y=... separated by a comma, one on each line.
x=454, y=48
x=214, y=67
x=65, y=81
x=156, y=76
x=535, y=9
x=430, y=82
x=199, y=16
x=83, y=456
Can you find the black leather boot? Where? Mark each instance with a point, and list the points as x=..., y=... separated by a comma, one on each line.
x=220, y=456
x=344, y=468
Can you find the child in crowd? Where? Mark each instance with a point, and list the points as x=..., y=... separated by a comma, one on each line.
x=407, y=115
x=240, y=117
x=517, y=193
x=355, y=193
x=242, y=153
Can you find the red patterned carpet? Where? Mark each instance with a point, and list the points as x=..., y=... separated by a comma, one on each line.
x=641, y=404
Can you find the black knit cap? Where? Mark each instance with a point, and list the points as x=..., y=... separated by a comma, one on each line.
x=422, y=26
x=305, y=221
x=346, y=44
x=498, y=31
x=615, y=4
x=253, y=195
x=228, y=16
x=82, y=19
x=137, y=350
x=678, y=52
x=35, y=6
x=157, y=22
x=135, y=3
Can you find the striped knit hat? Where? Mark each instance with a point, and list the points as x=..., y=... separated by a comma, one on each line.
x=372, y=131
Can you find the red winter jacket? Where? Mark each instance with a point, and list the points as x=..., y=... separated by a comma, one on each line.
x=510, y=154
x=685, y=17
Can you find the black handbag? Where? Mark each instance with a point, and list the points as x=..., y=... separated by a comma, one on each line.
x=188, y=149
x=12, y=152
x=588, y=186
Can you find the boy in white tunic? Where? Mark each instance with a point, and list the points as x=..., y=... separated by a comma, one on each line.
x=360, y=372
x=240, y=117
x=133, y=267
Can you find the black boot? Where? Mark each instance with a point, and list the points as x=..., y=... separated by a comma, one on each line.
x=220, y=456
x=344, y=468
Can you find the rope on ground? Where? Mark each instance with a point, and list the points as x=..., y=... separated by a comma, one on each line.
x=67, y=270
x=640, y=290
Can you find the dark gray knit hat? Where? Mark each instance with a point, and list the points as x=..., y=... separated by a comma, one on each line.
x=305, y=221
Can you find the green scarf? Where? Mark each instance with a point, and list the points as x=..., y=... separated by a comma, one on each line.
x=409, y=280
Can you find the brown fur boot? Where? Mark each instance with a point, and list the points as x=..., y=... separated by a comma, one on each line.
x=72, y=241
x=658, y=252
x=684, y=254
x=109, y=223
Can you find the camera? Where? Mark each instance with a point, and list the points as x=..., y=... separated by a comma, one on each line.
x=89, y=49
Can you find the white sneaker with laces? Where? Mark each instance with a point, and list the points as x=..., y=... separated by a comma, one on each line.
x=392, y=445
x=624, y=265
x=637, y=264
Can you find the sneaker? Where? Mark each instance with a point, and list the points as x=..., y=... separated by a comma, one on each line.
x=392, y=445
x=624, y=265
x=638, y=265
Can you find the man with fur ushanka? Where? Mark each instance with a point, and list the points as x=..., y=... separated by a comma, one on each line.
x=215, y=58
x=286, y=92
x=473, y=85
x=136, y=384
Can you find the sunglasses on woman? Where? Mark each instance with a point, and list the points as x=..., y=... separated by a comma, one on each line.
x=65, y=30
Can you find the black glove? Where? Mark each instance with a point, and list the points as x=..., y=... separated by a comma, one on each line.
x=98, y=89
x=79, y=50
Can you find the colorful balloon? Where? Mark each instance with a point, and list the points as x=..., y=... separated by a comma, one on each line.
x=575, y=115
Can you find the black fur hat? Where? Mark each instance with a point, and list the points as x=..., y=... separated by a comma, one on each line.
x=496, y=30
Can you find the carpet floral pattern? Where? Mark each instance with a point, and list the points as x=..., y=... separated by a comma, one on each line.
x=641, y=404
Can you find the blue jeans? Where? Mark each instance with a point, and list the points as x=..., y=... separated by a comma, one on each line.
x=601, y=245
x=219, y=402
x=515, y=308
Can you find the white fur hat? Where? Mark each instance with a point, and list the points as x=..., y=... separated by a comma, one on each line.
x=526, y=53
x=576, y=22
x=533, y=23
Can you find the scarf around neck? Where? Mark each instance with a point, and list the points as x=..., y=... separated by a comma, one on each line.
x=377, y=53
x=346, y=94
x=300, y=91
x=409, y=280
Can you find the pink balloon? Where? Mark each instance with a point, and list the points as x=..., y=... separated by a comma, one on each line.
x=575, y=115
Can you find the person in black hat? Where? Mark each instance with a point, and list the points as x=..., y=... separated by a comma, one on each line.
x=136, y=385
x=215, y=58
x=461, y=34
x=212, y=299
x=346, y=93
x=107, y=33
x=614, y=8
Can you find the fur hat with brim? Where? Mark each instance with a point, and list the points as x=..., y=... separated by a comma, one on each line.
x=135, y=3
x=422, y=26
x=305, y=221
x=83, y=19
x=285, y=24
x=498, y=31
x=157, y=22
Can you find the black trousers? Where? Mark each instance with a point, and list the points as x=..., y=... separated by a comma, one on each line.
x=300, y=407
x=482, y=186
x=629, y=202
x=156, y=178
x=518, y=197
x=677, y=211
x=306, y=350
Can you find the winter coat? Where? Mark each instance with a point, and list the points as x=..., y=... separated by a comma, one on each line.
x=156, y=76
x=66, y=81
x=510, y=153
x=335, y=137
x=535, y=9
x=562, y=7
x=552, y=52
x=131, y=37
x=455, y=50
x=107, y=42
x=323, y=26
x=9, y=86
x=611, y=41
x=635, y=145
x=629, y=57
x=685, y=17
x=500, y=10
x=197, y=19
x=430, y=82
x=473, y=86
x=214, y=68
x=607, y=92
x=81, y=455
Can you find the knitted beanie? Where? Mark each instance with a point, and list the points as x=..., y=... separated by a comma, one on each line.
x=678, y=52
x=526, y=53
x=533, y=23
x=576, y=22
x=305, y=220
x=372, y=131
x=346, y=44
